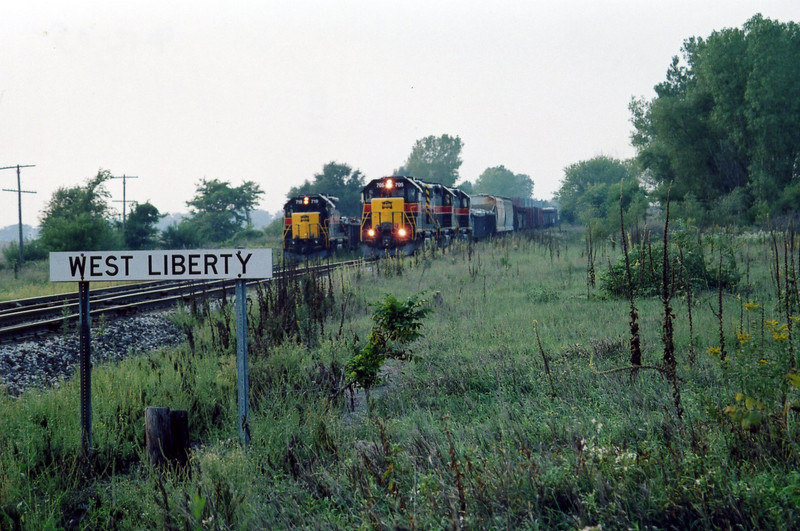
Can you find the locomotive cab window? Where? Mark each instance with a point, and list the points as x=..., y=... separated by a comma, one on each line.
x=392, y=188
x=305, y=204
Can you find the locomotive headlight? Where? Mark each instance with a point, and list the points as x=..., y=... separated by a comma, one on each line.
x=305, y=200
x=371, y=233
x=389, y=184
x=402, y=232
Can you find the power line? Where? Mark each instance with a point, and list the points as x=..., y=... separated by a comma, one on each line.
x=124, y=200
x=19, y=191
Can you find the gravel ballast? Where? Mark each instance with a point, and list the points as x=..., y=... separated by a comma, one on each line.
x=41, y=363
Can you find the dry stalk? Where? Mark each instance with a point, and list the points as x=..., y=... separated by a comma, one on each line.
x=670, y=364
x=688, y=288
x=635, y=348
x=544, y=358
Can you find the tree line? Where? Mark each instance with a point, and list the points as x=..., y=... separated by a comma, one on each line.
x=723, y=131
x=721, y=137
x=80, y=218
x=434, y=159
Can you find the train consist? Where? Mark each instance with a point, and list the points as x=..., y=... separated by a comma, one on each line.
x=399, y=215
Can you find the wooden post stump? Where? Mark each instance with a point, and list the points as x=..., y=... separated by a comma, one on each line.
x=167, y=436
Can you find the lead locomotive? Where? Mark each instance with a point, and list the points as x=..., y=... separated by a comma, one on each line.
x=400, y=214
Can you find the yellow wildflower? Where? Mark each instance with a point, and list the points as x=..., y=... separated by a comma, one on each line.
x=744, y=338
x=750, y=306
x=780, y=336
x=714, y=351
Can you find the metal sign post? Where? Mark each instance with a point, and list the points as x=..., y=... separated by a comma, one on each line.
x=242, y=384
x=85, y=367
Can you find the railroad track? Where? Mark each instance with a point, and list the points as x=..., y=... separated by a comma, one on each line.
x=39, y=316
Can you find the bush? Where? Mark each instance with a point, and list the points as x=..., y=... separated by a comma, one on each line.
x=275, y=227
x=32, y=250
x=646, y=262
x=247, y=237
x=396, y=325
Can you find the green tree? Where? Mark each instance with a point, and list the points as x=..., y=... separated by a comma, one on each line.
x=338, y=180
x=501, y=181
x=435, y=159
x=591, y=189
x=141, y=231
x=79, y=219
x=181, y=235
x=726, y=121
x=466, y=187
x=772, y=111
x=220, y=210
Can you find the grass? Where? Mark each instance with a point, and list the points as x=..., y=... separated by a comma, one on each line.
x=31, y=281
x=470, y=434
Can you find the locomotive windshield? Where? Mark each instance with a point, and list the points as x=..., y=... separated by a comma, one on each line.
x=305, y=204
x=392, y=188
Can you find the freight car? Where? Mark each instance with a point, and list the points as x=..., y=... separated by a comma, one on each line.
x=498, y=215
x=549, y=217
x=313, y=228
x=488, y=207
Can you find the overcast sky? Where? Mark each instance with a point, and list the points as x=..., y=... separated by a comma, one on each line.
x=176, y=91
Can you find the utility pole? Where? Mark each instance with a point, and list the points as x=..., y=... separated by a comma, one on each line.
x=124, y=200
x=19, y=191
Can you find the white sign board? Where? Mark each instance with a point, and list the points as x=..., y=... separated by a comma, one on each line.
x=196, y=264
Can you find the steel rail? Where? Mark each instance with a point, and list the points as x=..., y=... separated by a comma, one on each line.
x=44, y=301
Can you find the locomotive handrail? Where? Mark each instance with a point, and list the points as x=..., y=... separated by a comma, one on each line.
x=412, y=222
x=324, y=230
x=434, y=219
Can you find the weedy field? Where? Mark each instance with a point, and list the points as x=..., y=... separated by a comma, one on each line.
x=505, y=389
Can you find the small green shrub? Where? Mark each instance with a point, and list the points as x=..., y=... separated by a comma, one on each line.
x=396, y=325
